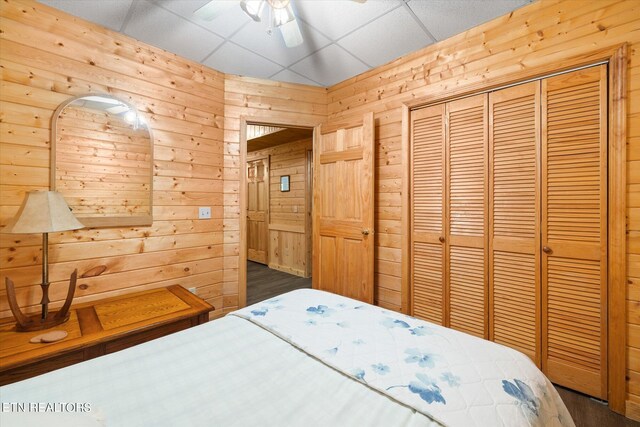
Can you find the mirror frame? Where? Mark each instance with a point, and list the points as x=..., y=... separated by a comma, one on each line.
x=107, y=221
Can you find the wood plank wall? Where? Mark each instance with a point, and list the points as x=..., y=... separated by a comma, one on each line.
x=288, y=210
x=544, y=32
x=266, y=102
x=46, y=57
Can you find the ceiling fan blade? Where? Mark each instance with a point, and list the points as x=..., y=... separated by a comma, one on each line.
x=291, y=33
x=213, y=9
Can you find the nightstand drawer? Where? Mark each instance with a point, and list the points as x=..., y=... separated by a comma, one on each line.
x=27, y=371
x=141, y=337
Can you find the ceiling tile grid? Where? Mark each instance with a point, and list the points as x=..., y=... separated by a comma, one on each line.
x=159, y=27
x=342, y=38
x=234, y=59
x=392, y=35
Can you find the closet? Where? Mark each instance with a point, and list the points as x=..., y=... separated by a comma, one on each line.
x=509, y=221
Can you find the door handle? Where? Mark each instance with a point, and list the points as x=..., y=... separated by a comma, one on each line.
x=546, y=250
x=365, y=232
x=441, y=239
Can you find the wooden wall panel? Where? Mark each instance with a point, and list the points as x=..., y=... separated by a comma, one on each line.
x=288, y=210
x=46, y=57
x=544, y=33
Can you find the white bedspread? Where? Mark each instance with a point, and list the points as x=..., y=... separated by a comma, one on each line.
x=228, y=372
x=452, y=377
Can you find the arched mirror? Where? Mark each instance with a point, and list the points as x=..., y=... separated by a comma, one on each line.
x=102, y=161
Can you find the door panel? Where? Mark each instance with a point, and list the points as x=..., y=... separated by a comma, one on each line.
x=343, y=217
x=574, y=229
x=465, y=213
x=514, y=218
x=467, y=290
x=427, y=216
x=258, y=210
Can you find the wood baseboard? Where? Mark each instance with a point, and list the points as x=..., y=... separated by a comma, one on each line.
x=286, y=269
x=632, y=410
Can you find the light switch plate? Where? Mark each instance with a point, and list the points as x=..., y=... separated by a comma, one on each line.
x=204, y=212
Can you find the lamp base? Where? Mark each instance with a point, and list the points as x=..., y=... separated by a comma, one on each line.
x=35, y=322
x=26, y=323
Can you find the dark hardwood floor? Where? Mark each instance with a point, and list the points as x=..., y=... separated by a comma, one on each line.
x=264, y=283
x=587, y=412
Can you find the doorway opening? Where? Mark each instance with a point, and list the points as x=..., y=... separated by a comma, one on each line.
x=278, y=194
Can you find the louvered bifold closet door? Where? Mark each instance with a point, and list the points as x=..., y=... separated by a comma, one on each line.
x=427, y=216
x=574, y=229
x=514, y=234
x=465, y=212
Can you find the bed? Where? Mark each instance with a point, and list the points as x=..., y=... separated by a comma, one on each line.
x=303, y=358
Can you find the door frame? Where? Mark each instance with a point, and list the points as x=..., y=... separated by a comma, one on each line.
x=617, y=58
x=269, y=119
x=308, y=221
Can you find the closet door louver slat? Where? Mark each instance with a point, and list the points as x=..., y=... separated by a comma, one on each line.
x=427, y=136
x=514, y=260
x=574, y=233
x=465, y=212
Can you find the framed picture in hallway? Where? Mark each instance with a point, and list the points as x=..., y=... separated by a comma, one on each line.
x=284, y=183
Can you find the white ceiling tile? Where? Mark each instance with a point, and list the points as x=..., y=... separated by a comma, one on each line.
x=291, y=77
x=376, y=31
x=401, y=35
x=335, y=18
x=445, y=18
x=233, y=59
x=224, y=25
x=329, y=65
x=108, y=13
x=255, y=38
x=163, y=29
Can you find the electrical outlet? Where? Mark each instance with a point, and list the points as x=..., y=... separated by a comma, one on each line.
x=193, y=291
x=204, y=212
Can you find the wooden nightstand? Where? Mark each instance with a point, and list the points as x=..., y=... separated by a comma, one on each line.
x=98, y=328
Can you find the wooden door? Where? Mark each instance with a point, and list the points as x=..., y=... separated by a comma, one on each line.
x=427, y=214
x=343, y=204
x=258, y=210
x=574, y=230
x=466, y=214
x=514, y=218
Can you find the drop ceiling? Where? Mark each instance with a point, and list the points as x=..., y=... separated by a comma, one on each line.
x=342, y=38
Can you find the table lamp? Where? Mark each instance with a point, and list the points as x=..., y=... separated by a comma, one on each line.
x=42, y=212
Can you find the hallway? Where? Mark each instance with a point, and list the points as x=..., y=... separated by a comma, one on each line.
x=264, y=283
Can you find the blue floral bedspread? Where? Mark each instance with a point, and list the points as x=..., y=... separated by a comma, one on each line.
x=449, y=376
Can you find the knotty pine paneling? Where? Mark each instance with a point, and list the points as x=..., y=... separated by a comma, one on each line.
x=266, y=102
x=288, y=210
x=543, y=33
x=46, y=57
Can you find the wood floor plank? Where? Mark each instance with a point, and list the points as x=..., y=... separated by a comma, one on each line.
x=264, y=283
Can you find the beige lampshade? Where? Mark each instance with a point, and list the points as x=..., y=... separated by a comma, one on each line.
x=42, y=212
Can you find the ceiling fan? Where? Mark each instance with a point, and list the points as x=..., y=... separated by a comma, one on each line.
x=280, y=15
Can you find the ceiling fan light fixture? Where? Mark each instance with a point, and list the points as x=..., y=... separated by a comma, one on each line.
x=253, y=8
x=282, y=12
x=282, y=16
